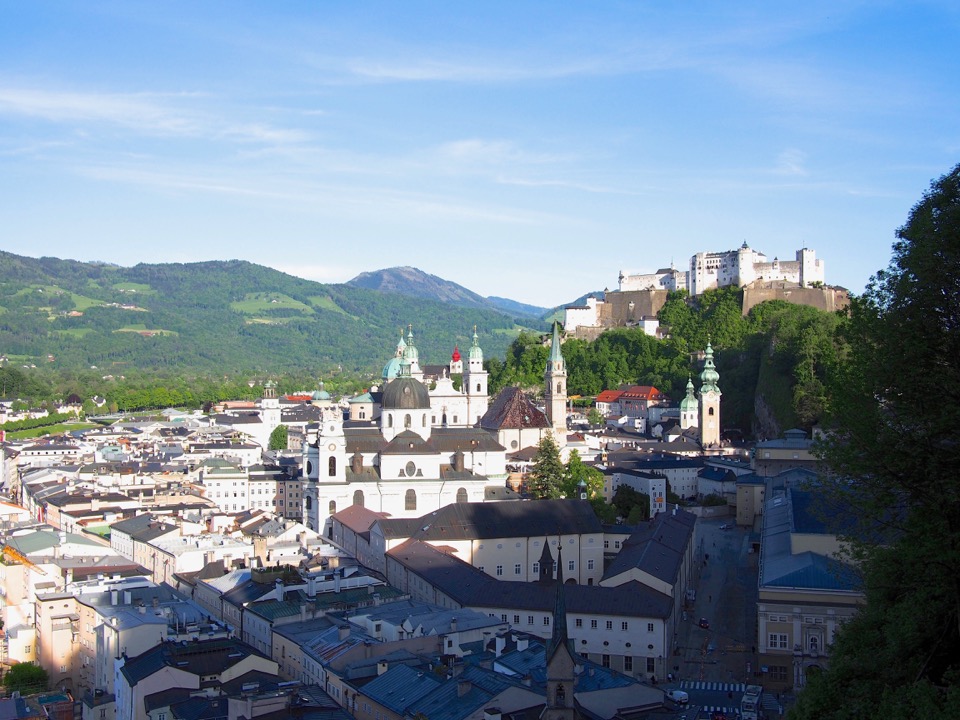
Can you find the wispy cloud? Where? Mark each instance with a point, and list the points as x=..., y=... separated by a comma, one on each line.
x=791, y=162
x=154, y=114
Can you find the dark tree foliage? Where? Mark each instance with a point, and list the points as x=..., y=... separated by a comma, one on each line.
x=895, y=453
x=278, y=438
x=546, y=477
x=26, y=678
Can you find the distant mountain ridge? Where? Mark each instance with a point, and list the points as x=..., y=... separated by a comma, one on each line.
x=228, y=316
x=414, y=282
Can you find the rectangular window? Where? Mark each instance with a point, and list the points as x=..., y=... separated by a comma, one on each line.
x=651, y=665
x=606, y=544
x=529, y=619
x=499, y=570
x=628, y=663
x=593, y=624
x=578, y=622
x=606, y=661
x=546, y=619
x=777, y=672
x=503, y=618
x=609, y=624
x=624, y=625
x=572, y=565
x=589, y=564
x=777, y=641
x=536, y=568
x=516, y=569
x=616, y=544
x=649, y=627
x=516, y=619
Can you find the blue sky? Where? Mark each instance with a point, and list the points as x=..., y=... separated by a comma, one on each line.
x=527, y=150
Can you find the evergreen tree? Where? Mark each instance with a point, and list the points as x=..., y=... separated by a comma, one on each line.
x=26, y=678
x=895, y=450
x=548, y=470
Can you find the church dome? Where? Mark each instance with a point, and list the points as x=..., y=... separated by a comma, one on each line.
x=456, y=354
x=392, y=369
x=689, y=403
x=406, y=393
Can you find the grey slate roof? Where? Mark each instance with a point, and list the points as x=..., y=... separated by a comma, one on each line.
x=400, y=687
x=471, y=587
x=656, y=548
x=536, y=518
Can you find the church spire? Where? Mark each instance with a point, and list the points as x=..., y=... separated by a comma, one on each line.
x=559, y=609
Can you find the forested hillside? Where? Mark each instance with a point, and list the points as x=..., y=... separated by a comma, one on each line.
x=772, y=363
x=229, y=316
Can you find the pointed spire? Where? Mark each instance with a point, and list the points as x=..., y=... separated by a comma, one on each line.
x=556, y=356
x=560, y=608
x=476, y=354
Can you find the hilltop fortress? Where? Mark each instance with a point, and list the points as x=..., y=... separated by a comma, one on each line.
x=640, y=296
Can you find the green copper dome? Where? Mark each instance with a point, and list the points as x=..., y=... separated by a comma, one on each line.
x=475, y=352
x=689, y=403
x=709, y=376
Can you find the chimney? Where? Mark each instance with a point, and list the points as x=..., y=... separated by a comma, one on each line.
x=343, y=632
x=463, y=687
x=142, y=609
x=523, y=643
x=69, y=580
x=382, y=667
x=156, y=601
x=501, y=644
x=491, y=713
x=278, y=583
x=260, y=549
x=62, y=536
x=303, y=539
x=303, y=612
x=337, y=577
x=312, y=586
x=453, y=625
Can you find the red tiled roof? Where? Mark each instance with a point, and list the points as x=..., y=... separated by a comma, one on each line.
x=608, y=396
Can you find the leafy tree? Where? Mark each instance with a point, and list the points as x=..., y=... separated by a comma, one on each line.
x=626, y=498
x=544, y=480
x=26, y=678
x=895, y=454
x=577, y=470
x=594, y=417
x=278, y=438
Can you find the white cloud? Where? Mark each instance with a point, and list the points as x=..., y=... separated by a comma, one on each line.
x=791, y=162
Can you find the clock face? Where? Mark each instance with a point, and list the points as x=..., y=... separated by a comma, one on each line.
x=332, y=446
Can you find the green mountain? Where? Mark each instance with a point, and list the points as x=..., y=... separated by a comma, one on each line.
x=416, y=283
x=222, y=315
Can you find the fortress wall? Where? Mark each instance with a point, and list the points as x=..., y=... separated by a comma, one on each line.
x=828, y=299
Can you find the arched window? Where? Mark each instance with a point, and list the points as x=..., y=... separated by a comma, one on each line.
x=332, y=507
x=358, y=498
x=407, y=420
x=559, y=387
x=309, y=502
x=814, y=644
x=332, y=466
x=389, y=420
x=710, y=412
x=561, y=696
x=462, y=495
x=478, y=387
x=410, y=500
x=424, y=420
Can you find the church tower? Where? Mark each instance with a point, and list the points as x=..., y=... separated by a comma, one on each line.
x=270, y=407
x=689, y=408
x=475, y=383
x=561, y=660
x=324, y=463
x=555, y=397
x=709, y=402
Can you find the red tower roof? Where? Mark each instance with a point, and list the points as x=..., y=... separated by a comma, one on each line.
x=456, y=353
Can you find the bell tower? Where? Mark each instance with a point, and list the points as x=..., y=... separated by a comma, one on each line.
x=709, y=402
x=555, y=395
x=475, y=382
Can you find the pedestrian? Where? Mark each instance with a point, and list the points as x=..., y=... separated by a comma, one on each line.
x=709, y=598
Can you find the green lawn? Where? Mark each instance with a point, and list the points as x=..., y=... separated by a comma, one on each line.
x=141, y=328
x=49, y=430
x=132, y=287
x=256, y=303
x=325, y=302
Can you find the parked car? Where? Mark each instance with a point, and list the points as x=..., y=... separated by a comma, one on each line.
x=726, y=526
x=678, y=696
x=704, y=623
